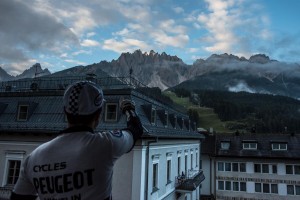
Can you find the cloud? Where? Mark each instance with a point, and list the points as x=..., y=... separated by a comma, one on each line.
x=233, y=26
x=76, y=62
x=89, y=43
x=125, y=45
x=81, y=52
x=241, y=87
x=178, y=9
x=90, y=34
x=24, y=30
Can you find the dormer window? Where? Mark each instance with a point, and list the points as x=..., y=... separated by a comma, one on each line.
x=153, y=116
x=279, y=146
x=225, y=145
x=182, y=123
x=111, y=112
x=167, y=119
x=175, y=121
x=249, y=145
x=23, y=112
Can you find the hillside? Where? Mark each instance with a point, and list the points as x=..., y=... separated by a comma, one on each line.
x=244, y=111
x=207, y=118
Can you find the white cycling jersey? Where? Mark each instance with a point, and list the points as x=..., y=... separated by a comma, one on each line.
x=74, y=165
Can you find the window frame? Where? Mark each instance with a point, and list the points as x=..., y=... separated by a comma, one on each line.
x=153, y=116
x=11, y=156
x=167, y=119
x=225, y=145
x=280, y=146
x=247, y=145
x=169, y=168
x=155, y=173
x=19, y=118
x=106, y=112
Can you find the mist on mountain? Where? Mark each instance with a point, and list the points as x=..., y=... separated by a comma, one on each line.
x=258, y=74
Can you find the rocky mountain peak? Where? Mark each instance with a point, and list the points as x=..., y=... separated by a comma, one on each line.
x=140, y=58
x=34, y=71
x=259, y=58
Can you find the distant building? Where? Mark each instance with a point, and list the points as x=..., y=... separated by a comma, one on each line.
x=254, y=166
x=31, y=113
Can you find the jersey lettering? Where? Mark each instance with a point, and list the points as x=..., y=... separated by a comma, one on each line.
x=50, y=167
x=64, y=183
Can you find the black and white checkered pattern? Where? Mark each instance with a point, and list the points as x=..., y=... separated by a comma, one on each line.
x=74, y=98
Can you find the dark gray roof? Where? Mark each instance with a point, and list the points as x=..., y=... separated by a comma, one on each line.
x=46, y=113
x=212, y=145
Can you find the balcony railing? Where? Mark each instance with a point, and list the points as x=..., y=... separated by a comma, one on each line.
x=5, y=193
x=189, y=182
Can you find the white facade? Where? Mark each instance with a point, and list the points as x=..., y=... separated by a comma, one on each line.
x=262, y=179
x=134, y=173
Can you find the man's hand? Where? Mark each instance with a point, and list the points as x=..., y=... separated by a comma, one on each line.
x=127, y=105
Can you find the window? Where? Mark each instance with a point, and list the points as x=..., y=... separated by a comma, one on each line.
x=257, y=187
x=13, y=160
x=221, y=185
x=250, y=145
x=220, y=166
x=197, y=161
x=228, y=167
x=235, y=186
x=297, y=189
x=225, y=145
x=185, y=164
x=235, y=167
x=262, y=168
x=242, y=167
x=257, y=168
x=175, y=121
x=292, y=169
x=274, y=169
x=192, y=157
x=13, y=171
x=266, y=188
x=265, y=168
x=274, y=188
x=243, y=186
x=167, y=119
x=290, y=189
x=153, y=116
x=169, y=171
x=279, y=146
x=22, y=112
x=297, y=169
x=289, y=169
x=178, y=165
x=111, y=112
x=155, y=177
x=227, y=185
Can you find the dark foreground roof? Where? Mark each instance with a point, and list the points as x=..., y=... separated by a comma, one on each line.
x=45, y=111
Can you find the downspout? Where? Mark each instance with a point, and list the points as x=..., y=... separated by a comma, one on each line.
x=147, y=165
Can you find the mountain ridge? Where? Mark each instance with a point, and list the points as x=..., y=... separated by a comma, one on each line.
x=167, y=71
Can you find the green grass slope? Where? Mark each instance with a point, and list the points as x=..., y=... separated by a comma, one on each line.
x=207, y=118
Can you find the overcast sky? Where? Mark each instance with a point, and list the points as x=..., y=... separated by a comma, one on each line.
x=62, y=34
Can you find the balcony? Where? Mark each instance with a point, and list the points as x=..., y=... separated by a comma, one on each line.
x=189, y=182
x=5, y=192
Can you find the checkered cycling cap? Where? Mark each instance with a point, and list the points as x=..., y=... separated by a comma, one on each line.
x=83, y=98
